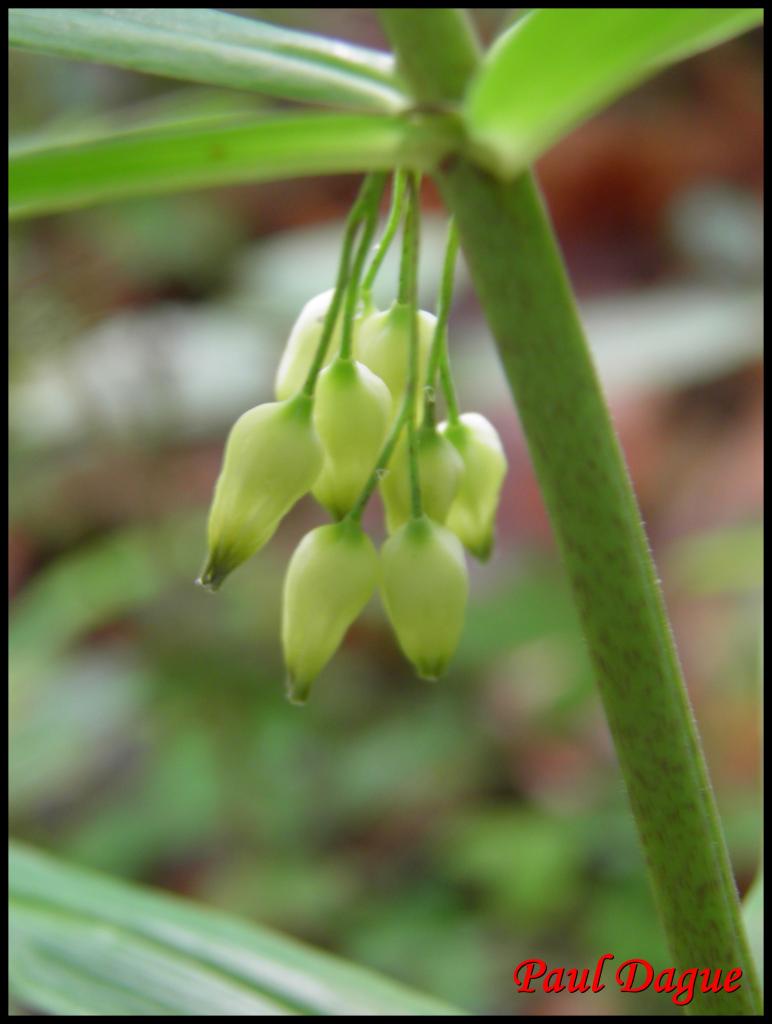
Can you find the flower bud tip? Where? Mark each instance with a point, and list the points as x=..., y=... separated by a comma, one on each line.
x=483, y=551
x=297, y=692
x=212, y=577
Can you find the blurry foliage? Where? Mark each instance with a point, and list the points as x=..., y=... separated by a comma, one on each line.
x=439, y=833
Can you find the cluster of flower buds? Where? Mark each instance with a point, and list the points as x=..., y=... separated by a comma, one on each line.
x=336, y=436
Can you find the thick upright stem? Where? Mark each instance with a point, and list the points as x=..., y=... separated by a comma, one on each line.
x=441, y=79
x=519, y=276
x=523, y=288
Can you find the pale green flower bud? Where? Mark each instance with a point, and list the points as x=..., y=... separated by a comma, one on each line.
x=383, y=345
x=424, y=586
x=302, y=344
x=272, y=458
x=473, y=512
x=439, y=475
x=330, y=578
x=352, y=409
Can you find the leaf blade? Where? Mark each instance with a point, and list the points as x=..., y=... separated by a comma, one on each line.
x=64, y=177
x=189, y=106
x=231, y=28
x=557, y=66
x=69, y=925
x=214, y=48
x=66, y=964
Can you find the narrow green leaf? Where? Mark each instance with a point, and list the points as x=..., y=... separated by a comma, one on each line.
x=172, y=160
x=186, y=107
x=216, y=48
x=558, y=65
x=64, y=964
x=227, y=28
x=83, y=944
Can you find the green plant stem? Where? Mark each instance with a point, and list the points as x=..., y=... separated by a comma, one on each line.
x=408, y=287
x=352, y=295
x=367, y=199
x=383, y=461
x=392, y=223
x=520, y=279
x=524, y=290
x=409, y=281
x=403, y=285
x=438, y=356
x=448, y=387
x=440, y=77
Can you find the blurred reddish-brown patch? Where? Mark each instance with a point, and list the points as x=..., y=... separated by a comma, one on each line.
x=610, y=183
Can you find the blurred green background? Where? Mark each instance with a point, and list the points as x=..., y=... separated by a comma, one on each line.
x=438, y=833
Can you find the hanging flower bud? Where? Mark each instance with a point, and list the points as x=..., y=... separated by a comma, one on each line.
x=439, y=474
x=330, y=578
x=424, y=586
x=302, y=344
x=272, y=458
x=352, y=409
x=383, y=345
x=473, y=512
